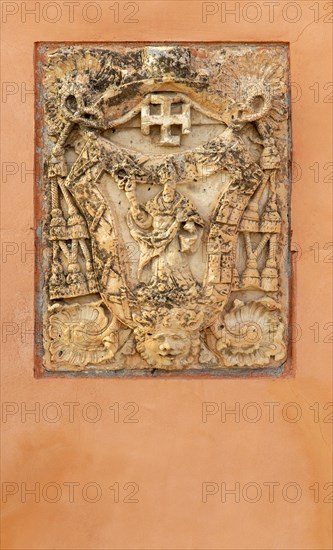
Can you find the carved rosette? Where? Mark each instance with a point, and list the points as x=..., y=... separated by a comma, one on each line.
x=165, y=206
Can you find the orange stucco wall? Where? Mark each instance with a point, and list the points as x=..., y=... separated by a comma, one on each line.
x=170, y=444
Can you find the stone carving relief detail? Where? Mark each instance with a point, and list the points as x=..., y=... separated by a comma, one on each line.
x=165, y=208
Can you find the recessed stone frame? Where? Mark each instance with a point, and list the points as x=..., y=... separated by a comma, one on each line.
x=163, y=205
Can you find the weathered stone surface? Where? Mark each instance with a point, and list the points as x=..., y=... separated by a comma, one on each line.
x=165, y=208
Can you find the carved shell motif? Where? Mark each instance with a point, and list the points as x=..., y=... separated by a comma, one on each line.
x=82, y=334
x=252, y=333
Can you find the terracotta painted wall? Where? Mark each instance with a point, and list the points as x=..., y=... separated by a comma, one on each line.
x=87, y=441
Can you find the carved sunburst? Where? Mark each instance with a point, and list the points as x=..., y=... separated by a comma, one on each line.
x=255, y=84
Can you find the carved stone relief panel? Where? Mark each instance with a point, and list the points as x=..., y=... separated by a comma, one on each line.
x=164, y=185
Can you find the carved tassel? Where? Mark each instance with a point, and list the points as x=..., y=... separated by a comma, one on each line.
x=269, y=275
x=57, y=279
x=250, y=275
x=91, y=280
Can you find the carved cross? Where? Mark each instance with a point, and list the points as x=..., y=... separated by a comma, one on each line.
x=166, y=110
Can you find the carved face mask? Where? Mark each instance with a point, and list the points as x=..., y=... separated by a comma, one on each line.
x=167, y=347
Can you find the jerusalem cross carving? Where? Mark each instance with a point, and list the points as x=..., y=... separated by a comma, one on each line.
x=164, y=185
x=167, y=117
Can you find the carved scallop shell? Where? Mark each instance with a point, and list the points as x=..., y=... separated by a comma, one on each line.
x=81, y=334
x=254, y=82
x=252, y=334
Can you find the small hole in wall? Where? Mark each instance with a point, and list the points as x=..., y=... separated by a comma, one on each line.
x=71, y=103
x=175, y=130
x=155, y=131
x=176, y=108
x=257, y=103
x=155, y=109
x=89, y=116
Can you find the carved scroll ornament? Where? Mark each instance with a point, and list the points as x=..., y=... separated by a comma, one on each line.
x=165, y=210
